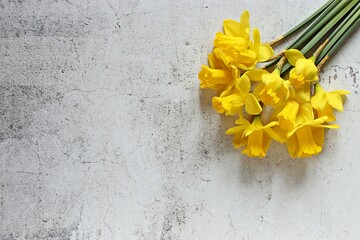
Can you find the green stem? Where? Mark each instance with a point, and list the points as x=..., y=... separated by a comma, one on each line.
x=327, y=15
x=342, y=31
x=320, y=34
x=323, y=10
x=349, y=16
x=343, y=37
x=328, y=26
x=309, y=18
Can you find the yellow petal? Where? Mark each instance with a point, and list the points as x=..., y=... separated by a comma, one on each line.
x=318, y=135
x=256, y=74
x=331, y=126
x=293, y=146
x=340, y=92
x=271, y=124
x=264, y=53
x=236, y=108
x=335, y=101
x=246, y=57
x=295, y=79
x=266, y=142
x=256, y=38
x=234, y=72
x=212, y=78
x=277, y=137
x=257, y=123
x=318, y=123
x=252, y=105
x=243, y=84
x=301, y=66
x=327, y=111
x=235, y=130
x=288, y=114
x=232, y=28
x=293, y=55
x=214, y=62
x=284, y=90
x=230, y=89
x=318, y=101
x=254, y=147
x=242, y=121
x=289, y=91
x=259, y=87
x=281, y=132
x=242, y=66
x=222, y=56
x=303, y=93
x=217, y=105
x=310, y=70
x=315, y=122
x=307, y=145
x=268, y=79
x=245, y=24
x=239, y=140
x=249, y=130
x=233, y=104
x=305, y=113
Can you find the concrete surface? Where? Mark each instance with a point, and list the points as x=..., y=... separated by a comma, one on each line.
x=105, y=134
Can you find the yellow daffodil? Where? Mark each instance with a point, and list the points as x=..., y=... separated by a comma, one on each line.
x=307, y=138
x=304, y=70
x=218, y=75
x=237, y=46
x=287, y=115
x=255, y=136
x=325, y=102
x=302, y=94
x=237, y=95
x=272, y=88
x=294, y=113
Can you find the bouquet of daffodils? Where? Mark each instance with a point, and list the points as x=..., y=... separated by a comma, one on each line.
x=283, y=100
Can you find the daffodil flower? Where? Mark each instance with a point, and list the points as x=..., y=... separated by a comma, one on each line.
x=287, y=115
x=301, y=94
x=272, y=89
x=294, y=113
x=325, y=102
x=304, y=70
x=307, y=138
x=255, y=136
x=236, y=44
x=237, y=95
x=218, y=75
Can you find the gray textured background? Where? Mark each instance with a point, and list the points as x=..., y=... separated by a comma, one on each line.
x=104, y=133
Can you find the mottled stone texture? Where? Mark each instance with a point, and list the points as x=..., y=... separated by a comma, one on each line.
x=104, y=133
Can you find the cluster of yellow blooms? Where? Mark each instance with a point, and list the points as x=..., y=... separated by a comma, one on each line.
x=298, y=117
